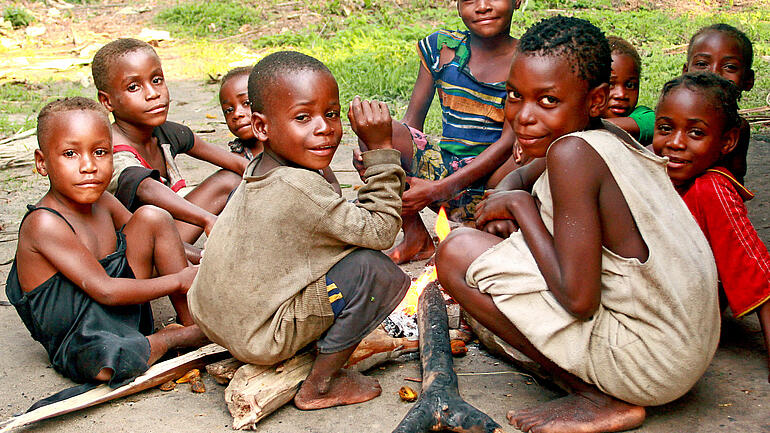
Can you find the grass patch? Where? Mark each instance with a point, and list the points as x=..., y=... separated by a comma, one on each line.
x=23, y=100
x=204, y=19
x=18, y=16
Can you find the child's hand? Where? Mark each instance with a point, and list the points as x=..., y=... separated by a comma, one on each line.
x=186, y=277
x=501, y=206
x=501, y=228
x=371, y=122
x=519, y=157
x=420, y=194
x=358, y=163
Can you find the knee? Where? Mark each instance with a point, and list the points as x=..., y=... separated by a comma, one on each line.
x=152, y=216
x=104, y=375
x=452, y=254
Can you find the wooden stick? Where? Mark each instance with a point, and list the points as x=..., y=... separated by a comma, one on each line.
x=154, y=376
x=440, y=406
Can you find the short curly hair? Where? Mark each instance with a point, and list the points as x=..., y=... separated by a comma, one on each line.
x=747, y=49
x=621, y=46
x=105, y=58
x=722, y=93
x=58, y=106
x=582, y=42
x=279, y=64
x=233, y=73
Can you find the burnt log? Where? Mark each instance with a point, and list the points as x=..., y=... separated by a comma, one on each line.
x=440, y=406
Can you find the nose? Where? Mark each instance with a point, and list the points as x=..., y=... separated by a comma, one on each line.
x=241, y=112
x=676, y=141
x=87, y=164
x=618, y=92
x=323, y=126
x=526, y=115
x=152, y=92
x=483, y=6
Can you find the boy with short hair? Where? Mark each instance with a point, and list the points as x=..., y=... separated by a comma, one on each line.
x=315, y=274
x=639, y=121
x=130, y=83
x=81, y=279
x=729, y=53
x=603, y=278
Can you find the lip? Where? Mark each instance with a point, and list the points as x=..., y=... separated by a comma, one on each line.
x=675, y=162
x=617, y=109
x=485, y=20
x=245, y=125
x=89, y=183
x=158, y=109
x=325, y=150
x=528, y=140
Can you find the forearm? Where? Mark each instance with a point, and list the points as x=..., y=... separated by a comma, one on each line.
x=627, y=124
x=128, y=291
x=483, y=165
x=523, y=178
x=218, y=156
x=153, y=192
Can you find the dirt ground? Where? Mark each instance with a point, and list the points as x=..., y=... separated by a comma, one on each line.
x=733, y=395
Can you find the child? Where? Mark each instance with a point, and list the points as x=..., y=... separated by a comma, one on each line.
x=81, y=280
x=697, y=125
x=314, y=275
x=725, y=51
x=639, y=121
x=610, y=287
x=236, y=107
x=467, y=69
x=130, y=83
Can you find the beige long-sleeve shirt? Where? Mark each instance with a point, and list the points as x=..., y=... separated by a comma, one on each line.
x=260, y=290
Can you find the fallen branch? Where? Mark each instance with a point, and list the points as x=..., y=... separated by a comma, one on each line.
x=154, y=376
x=440, y=406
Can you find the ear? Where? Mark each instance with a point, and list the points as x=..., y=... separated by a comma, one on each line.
x=104, y=98
x=598, y=97
x=730, y=140
x=259, y=126
x=40, y=163
x=748, y=80
x=684, y=68
x=517, y=4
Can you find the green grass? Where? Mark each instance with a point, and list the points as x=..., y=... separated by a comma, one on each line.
x=18, y=16
x=23, y=100
x=202, y=19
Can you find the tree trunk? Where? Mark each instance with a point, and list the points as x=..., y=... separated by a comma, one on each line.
x=440, y=406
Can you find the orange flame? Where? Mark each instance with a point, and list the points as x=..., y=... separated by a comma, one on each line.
x=409, y=303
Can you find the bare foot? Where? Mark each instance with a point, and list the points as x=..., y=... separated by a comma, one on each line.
x=585, y=413
x=345, y=387
x=173, y=336
x=416, y=245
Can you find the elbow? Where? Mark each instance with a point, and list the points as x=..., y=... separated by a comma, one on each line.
x=582, y=311
x=101, y=295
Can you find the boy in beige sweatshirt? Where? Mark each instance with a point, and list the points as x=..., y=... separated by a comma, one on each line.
x=315, y=274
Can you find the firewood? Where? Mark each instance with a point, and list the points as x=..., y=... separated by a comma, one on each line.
x=224, y=370
x=157, y=374
x=256, y=391
x=440, y=406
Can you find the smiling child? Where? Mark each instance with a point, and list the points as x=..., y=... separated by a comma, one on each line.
x=639, y=121
x=130, y=82
x=314, y=274
x=82, y=276
x=608, y=286
x=697, y=126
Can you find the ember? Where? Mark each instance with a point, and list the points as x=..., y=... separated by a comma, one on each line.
x=402, y=321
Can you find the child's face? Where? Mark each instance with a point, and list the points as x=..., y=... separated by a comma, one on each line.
x=690, y=132
x=77, y=156
x=137, y=90
x=234, y=99
x=487, y=18
x=624, y=86
x=547, y=99
x=301, y=119
x=718, y=52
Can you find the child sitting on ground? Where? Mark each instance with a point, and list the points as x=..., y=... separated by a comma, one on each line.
x=468, y=70
x=637, y=120
x=82, y=279
x=314, y=274
x=698, y=125
x=610, y=287
x=727, y=52
x=130, y=83
x=236, y=107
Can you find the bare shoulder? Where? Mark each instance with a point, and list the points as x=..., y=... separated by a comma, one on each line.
x=573, y=153
x=42, y=229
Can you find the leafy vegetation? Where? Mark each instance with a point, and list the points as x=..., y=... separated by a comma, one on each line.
x=18, y=16
x=23, y=100
x=203, y=19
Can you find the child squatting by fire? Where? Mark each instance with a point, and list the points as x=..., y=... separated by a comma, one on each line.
x=316, y=276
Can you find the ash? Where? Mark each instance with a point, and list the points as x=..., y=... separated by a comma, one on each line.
x=400, y=324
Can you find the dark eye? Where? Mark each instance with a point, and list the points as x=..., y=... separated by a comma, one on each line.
x=228, y=110
x=133, y=87
x=301, y=117
x=512, y=94
x=700, y=64
x=157, y=80
x=101, y=152
x=333, y=114
x=548, y=101
x=663, y=128
x=731, y=68
x=697, y=133
x=247, y=103
x=632, y=85
x=69, y=153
